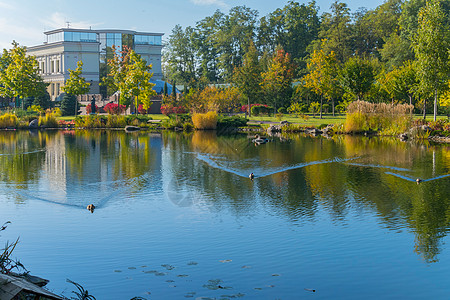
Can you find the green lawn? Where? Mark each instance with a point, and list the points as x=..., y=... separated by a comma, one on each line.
x=313, y=121
x=316, y=121
x=153, y=116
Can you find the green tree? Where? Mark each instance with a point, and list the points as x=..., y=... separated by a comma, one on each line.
x=165, y=89
x=401, y=83
x=76, y=85
x=137, y=81
x=357, y=76
x=69, y=105
x=248, y=77
x=130, y=75
x=322, y=75
x=277, y=80
x=179, y=55
x=336, y=29
x=205, y=45
x=19, y=74
x=431, y=46
x=237, y=32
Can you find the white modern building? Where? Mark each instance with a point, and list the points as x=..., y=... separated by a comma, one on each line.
x=64, y=47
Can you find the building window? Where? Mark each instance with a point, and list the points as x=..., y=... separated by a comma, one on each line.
x=52, y=66
x=42, y=67
x=57, y=89
x=53, y=89
x=57, y=66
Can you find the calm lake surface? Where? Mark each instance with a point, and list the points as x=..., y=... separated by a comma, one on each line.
x=177, y=216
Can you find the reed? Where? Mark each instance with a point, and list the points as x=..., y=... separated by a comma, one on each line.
x=49, y=121
x=388, y=119
x=205, y=121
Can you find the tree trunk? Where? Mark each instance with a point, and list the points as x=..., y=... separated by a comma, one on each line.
x=424, y=108
x=435, y=104
x=321, y=101
x=332, y=105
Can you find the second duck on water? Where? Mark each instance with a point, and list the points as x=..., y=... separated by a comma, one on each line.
x=259, y=140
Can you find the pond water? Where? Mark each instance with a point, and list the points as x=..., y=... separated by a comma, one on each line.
x=177, y=216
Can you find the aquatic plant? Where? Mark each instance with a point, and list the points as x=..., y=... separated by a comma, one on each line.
x=82, y=294
x=6, y=263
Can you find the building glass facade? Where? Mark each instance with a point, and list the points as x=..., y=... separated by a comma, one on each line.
x=64, y=47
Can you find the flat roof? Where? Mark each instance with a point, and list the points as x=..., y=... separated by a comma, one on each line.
x=102, y=31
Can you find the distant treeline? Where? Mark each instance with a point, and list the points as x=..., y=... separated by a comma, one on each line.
x=397, y=52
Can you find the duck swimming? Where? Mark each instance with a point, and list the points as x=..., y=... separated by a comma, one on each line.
x=251, y=176
x=90, y=207
x=259, y=140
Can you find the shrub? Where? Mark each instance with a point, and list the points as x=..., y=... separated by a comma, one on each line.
x=89, y=109
x=245, y=107
x=92, y=121
x=115, y=121
x=168, y=109
x=49, y=121
x=188, y=126
x=172, y=123
x=255, y=110
x=205, y=121
x=282, y=110
x=36, y=108
x=56, y=112
x=141, y=110
x=115, y=109
x=137, y=120
x=8, y=120
x=231, y=122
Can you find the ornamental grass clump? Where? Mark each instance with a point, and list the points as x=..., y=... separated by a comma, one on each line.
x=8, y=120
x=204, y=121
x=388, y=119
x=49, y=120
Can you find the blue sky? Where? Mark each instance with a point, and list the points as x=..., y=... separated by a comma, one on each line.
x=26, y=20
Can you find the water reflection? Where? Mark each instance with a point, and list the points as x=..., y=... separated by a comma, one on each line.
x=294, y=178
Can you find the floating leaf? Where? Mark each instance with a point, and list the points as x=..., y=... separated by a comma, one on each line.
x=132, y=268
x=192, y=263
x=118, y=271
x=190, y=295
x=182, y=275
x=225, y=260
x=276, y=274
x=168, y=267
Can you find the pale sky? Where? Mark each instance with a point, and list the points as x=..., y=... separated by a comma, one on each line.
x=25, y=20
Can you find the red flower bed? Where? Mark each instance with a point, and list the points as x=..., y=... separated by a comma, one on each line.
x=167, y=109
x=244, y=108
x=89, y=109
x=115, y=109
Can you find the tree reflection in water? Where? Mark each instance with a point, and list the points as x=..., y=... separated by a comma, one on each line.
x=294, y=178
